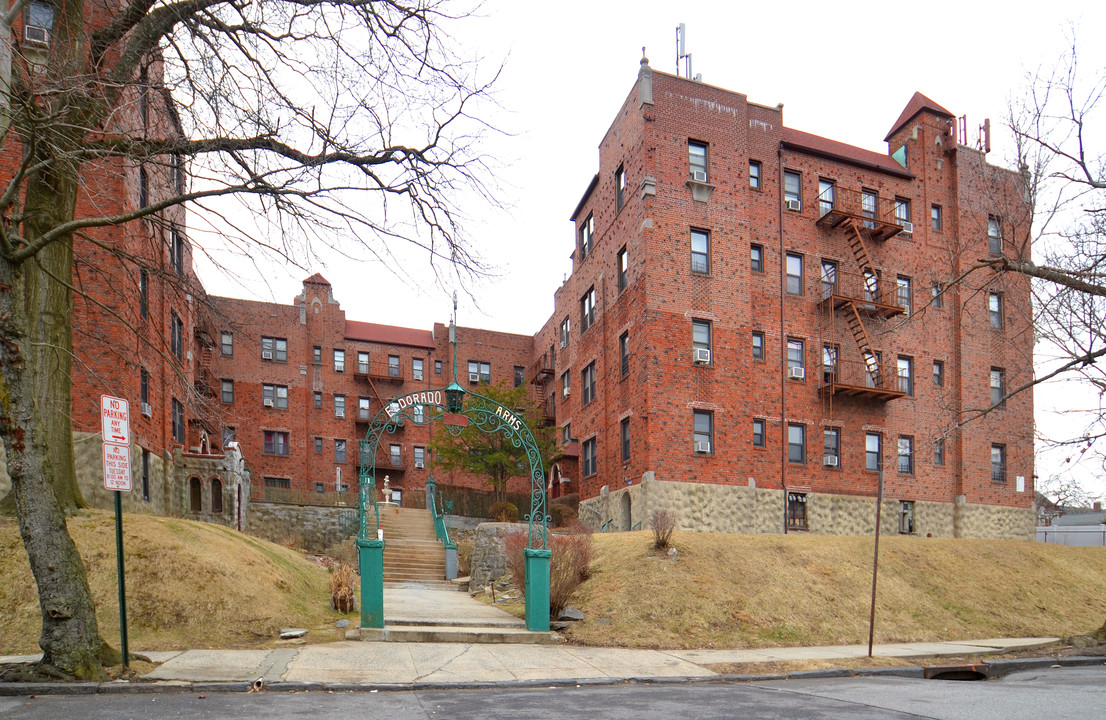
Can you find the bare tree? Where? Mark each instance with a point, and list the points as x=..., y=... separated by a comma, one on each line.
x=345, y=122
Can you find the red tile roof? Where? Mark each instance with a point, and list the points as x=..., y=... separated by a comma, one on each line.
x=917, y=104
x=316, y=279
x=388, y=334
x=845, y=153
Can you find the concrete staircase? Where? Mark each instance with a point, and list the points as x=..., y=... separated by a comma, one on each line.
x=412, y=551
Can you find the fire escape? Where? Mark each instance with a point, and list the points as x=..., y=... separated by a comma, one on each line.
x=857, y=296
x=541, y=373
x=372, y=374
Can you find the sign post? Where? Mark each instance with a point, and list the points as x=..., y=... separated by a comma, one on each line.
x=116, y=433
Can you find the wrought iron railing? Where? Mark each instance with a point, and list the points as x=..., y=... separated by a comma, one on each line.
x=432, y=501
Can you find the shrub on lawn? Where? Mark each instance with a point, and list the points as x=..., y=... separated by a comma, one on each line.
x=663, y=523
x=505, y=512
x=568, y=568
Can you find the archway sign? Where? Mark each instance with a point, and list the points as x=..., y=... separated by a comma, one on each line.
x=455, y=408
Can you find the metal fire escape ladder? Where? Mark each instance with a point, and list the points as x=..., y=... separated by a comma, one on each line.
x=871, y=284
x=860, y=335
x=863, y=259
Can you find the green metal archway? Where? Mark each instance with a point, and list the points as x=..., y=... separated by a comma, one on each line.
x=455, y=408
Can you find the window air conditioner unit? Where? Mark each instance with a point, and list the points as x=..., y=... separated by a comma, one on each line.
x=36, y=34
x=829, y=460
x=699, y=176
x=797, y=373
x=564, y=342
x=339, y=413
x=266, y=354
x=702, y=446
x=267, y=402
x=564, y=392
x=702, y=355
x=908, y=227
x=420, y=465
x=474, y=377
x=793, y=205
x=147, y=410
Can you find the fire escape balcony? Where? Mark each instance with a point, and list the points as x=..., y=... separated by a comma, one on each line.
x=864, y=291
x=856, y=379
x=542, y=370
x=873, y=216
x=378, y=371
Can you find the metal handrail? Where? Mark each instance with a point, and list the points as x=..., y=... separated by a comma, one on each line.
x=439, y=517
x=607, y=525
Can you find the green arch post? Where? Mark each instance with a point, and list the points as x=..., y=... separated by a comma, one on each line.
x=449, y=405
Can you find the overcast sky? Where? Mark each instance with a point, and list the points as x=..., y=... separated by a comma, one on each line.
x=843, y=70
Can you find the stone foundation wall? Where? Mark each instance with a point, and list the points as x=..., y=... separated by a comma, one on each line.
x=725, y=508
x=489, y=556
x=314, y=528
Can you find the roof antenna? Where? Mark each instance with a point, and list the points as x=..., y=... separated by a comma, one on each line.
x=681, y=51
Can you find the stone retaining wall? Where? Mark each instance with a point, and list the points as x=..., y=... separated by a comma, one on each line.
x=489, y=556
x=314, y=528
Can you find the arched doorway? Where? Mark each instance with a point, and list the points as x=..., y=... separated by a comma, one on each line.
x=627, y=507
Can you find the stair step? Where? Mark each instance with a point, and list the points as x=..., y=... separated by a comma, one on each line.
x=457, y=634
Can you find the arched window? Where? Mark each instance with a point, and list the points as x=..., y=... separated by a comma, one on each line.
x=195, y=495
x=216, y=495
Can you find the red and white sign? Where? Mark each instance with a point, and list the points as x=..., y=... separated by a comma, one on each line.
x=117, y=467
x=116, y=431
x=115, y=415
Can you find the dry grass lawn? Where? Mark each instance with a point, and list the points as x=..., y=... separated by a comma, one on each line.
x=776, y=590
x=189, y=584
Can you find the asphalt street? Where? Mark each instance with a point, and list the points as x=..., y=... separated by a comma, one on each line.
x=1057, y=694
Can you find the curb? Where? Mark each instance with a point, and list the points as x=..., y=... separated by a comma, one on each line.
x=998, y=669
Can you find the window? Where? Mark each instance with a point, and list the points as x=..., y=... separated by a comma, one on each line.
x=624, y=353
x=339, y=361
x=902, y=211
x=318, y=399
x=520, y=375
x=939, y=451
x=700, y=340
x=395, y=455
x=318, y=444
x=587, y=378
x=566, y=330
x=906, y=454
x=362, y=363
x=566, y=382
x=938, y=295
x=938, y=373
x=935, y=221
x=143, y=187
x=178, y=421
x=339, y=406
x=437, y=367
x=994, y=307
x=623, y=269
x=998, y=463
x=176, y=172
x=417, y=370
x=587, y=236
x=754, y=174
x=871, y=285
x=279, y=483
x=420, y=457
x=703, y=431
x=274, y=396
x=998, y=385
x=317, y=355
x=700, y=251
x=195, y=495
x=872, y=457
x=792, y=190
x=873, y=365
x=756, y=259
x=176, y=249
x=227, y=391
x=869, y=201
x=906, y=517
x=146, y=475
x=796, y=443
x=566, y=433
x=144, y=294
x=318, y=487
x=587, y=309
x=794, y=274
x=903, y=293
x=339, y=451
x=994, y=235
x=216, y=496
x=38, y=21
x=229, y=435
x=795, y=358
x=619, y=187
x=830, y=353
x=589, y=458
x=274, y=349
x=829, y=278
x=825, y=196
x=144, y=388
x=758, y=433
x=176, y=338
x=393, y=366
x=364, y=411
x=758, y=345
x=697, y=161
x=796, y=511
x=831, y=446
x=625, y=427
x=906, y=375
x=480, y=371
